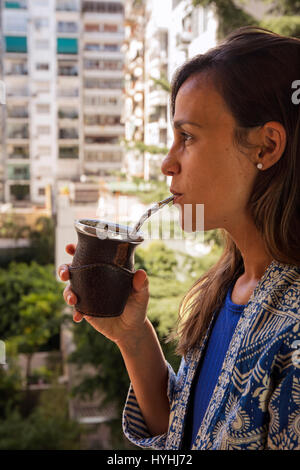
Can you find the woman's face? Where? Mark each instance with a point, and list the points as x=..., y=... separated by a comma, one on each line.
x=205, y=165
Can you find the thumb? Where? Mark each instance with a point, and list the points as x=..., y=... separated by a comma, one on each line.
x=140, y=280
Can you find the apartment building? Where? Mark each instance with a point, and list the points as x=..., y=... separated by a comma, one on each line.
x=156, y=68
x=160, y=36
x=62, y=65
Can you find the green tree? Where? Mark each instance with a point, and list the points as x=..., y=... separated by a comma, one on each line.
x=30, y=307
x=230, y=15
x=48, y=427
x=42, y=239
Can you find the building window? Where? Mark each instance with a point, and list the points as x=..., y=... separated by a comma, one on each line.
x=19, y=192
x=43, y=108
x=18, y=172
x=15, y=24
x=68, y=152
x=42, y=87
x=42, y=44
x=17, y=112
x=104, y=83
x=40, y=23
x=41, y=192
x=101, y=101
x=42, y=66
x=43, y=130
x=68, y=133
x=91, y=28
x=110, y=28
x=67, y=27
x=67, y=5
x=101, y=140
x=106, y=157
x=67, y=68
x=103, y=7
x=102, y=120
x=44, y=151
x=90, y=64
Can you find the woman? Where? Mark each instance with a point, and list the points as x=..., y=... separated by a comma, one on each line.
x=236, y=150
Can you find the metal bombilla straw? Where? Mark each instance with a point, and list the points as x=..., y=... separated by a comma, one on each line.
x=152, y=210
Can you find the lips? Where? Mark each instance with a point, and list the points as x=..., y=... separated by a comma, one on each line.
x=176, y=194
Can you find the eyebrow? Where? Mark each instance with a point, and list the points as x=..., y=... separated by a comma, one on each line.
x=181, y=122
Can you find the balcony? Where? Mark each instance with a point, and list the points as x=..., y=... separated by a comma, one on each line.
x=18, y=153
x=68, y=152
x=105, y=83
x=68, y=70
x=17, y=70
x=19, y=192
x=67, y=27
x=19, y=172
x=17, y=92
x=67, y=5
x=67, y=114
x=17, y=113
x=68, y=93
x=103, y=7
x=93, y=139
x=18, y=132
x=70, y=134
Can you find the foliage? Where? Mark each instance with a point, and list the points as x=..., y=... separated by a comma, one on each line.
x=158, y=190
x=42, y=239
x=10, y=389
x=30, y=307
x=230, y=15
x=162, y=82
x=46, y=428
x=284, y=25
x=30, y=301
x=284, y=7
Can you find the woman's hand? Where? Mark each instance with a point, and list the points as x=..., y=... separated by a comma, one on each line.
x=117, y=329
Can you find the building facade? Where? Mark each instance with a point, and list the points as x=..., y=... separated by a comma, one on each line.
x=62, y=66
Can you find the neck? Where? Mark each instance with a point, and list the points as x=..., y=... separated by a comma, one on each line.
x=253, y=250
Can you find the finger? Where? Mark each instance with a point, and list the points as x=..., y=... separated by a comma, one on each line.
x=77, y=317
x=70, y=248
x=140, y=280
x=69, y=296
x=63, y=272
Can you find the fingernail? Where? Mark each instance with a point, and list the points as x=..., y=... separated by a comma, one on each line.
x=70, y=299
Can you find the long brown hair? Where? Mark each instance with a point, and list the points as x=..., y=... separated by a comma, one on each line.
x=253, y=70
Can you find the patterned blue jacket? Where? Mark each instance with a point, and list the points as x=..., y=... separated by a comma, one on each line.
x=256, y=401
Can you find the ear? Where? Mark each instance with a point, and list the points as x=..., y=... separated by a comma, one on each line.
x=273, y=143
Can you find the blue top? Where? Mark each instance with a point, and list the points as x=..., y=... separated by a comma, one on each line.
x=209, y=368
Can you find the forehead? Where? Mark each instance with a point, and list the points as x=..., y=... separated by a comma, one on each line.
x=197, y=98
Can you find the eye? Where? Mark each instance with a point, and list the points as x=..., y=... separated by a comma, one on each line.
x=185, y=137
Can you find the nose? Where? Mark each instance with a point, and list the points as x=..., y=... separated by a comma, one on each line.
x=170, y=165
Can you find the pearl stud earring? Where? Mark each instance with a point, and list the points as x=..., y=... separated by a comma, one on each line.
x=259, y=166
